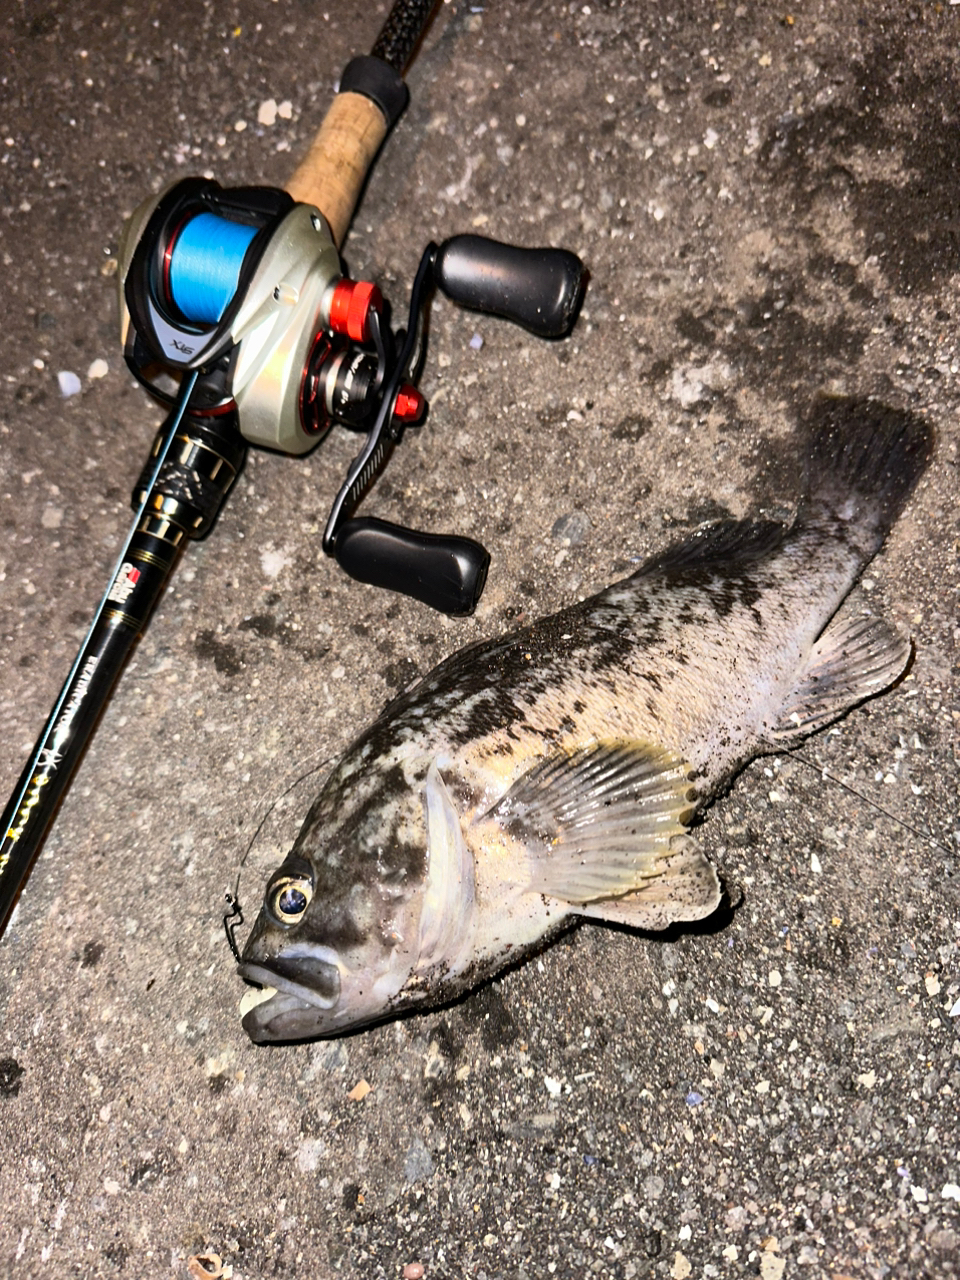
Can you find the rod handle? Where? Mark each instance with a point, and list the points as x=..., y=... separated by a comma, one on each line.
x=331, y=176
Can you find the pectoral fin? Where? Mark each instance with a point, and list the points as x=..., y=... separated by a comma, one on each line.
x=685, y=888
x=856, y=657
x=597, y=823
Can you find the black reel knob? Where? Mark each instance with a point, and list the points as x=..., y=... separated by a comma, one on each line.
x=443, y=571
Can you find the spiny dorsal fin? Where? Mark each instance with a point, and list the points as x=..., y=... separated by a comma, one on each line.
x=727, y=546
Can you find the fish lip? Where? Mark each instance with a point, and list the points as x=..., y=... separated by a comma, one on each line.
x=264, y=976
x=280, y=1018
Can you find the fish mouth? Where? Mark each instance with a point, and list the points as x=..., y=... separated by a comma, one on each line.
x=286, y=1009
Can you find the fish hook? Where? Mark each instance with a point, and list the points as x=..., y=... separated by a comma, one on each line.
x=232, y=919
x=233, y=915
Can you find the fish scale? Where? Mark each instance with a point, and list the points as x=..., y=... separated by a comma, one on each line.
x=552, y=775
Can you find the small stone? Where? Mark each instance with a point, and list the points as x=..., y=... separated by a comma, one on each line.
x=932, y=984
x=360, y=1091
x=413, y=1271
x=418, y=1163
x=772, y=1267
x=572, y=527
x=681, y=1268
x=554, y=1087
x=267, y=112
x=70, y=384
x=309, y=1153
x=98, y=369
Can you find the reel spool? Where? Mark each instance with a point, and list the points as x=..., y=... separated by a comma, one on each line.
x=202, y=265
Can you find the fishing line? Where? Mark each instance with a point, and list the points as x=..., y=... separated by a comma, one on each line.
x=829, y=777
x=202, y=265
x=233, y=917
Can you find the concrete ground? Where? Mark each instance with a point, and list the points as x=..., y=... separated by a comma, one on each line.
x=766, y=198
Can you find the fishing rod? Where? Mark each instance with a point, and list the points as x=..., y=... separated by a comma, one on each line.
x=236, y=314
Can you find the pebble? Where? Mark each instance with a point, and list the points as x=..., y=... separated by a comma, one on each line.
x=418, y=1164
x=772, y=1267
x=572, y=527
x=70, y=384
x=98, y=369
x=413, y=1271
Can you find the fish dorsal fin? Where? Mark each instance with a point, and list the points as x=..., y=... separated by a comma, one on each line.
x=597, y=821
x=856, y=657
x=727, y=545
x=449, y=888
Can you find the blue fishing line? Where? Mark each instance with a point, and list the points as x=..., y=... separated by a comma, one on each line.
x=205, y=265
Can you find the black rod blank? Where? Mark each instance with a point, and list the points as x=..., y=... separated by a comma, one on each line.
x=142, y=568
x=405, y=24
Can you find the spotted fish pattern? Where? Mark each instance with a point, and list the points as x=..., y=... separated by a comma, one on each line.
x=553, y=774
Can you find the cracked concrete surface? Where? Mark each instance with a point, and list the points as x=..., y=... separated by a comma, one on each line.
x=766, y=201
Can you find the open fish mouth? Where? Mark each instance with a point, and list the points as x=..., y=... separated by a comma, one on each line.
x=283, y=1007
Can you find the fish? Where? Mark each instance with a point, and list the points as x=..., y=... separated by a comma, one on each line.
x=551, y=776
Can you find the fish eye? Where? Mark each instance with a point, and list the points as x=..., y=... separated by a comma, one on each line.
x=290, y=898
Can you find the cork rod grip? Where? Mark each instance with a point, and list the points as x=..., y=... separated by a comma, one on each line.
x=336, y=166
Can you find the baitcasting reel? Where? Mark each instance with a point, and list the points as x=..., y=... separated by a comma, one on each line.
x=244, y=289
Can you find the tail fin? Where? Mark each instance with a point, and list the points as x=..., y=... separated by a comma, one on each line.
x=863, y=461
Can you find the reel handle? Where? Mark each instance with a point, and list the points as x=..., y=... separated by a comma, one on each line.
x=540, y=289
x=440, y=570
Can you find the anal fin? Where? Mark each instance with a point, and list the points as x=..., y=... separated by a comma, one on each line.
x=856, y=657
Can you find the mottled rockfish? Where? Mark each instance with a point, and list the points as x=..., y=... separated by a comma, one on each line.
x=554, y=773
